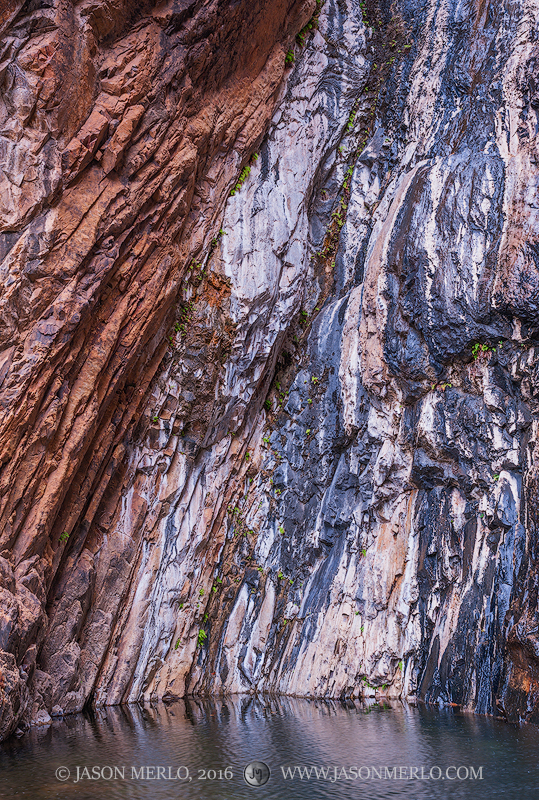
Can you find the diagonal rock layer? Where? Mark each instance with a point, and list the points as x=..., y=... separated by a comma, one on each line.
x=269, y=330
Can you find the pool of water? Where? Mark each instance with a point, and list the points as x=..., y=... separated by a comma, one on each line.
x=199, y=749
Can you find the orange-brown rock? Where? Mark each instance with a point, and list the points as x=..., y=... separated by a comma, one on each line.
x=123, y=127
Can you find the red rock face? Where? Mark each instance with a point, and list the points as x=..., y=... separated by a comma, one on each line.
x=123, y=127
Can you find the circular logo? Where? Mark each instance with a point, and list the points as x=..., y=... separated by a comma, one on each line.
x=256, y=773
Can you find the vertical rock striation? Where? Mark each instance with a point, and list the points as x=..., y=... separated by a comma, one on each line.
x=268, y=353
x=397, y=521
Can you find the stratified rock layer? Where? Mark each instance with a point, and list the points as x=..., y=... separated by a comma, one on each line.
x=123, y=127
x=281, y=439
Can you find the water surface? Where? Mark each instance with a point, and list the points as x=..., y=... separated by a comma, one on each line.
x=203, y=746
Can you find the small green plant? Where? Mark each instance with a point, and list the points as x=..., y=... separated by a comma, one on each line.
x=362, y=628
x=281, y=530
x=313, y=23
x=155, y=418
x=400, y=665
x=479, y=350
x=177, y=643
x=363, y=552
x=439, y=386
x=238, y=521
x=64, y=536
x=244, y=174
x=201, y=638
x=266, y=439
x=289, y=58
x=201, y=592
x=267, y=405
x=280, y=575
x=496, y=476
x=307, y=432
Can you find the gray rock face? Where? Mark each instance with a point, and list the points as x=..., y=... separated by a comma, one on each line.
x=263, y=257
x=399, y=515
x=332, y=488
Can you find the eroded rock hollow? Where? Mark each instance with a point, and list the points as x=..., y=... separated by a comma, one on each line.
x=269, y=331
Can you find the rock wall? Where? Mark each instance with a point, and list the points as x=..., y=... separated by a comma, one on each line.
x=269, y=333
x=124, y=126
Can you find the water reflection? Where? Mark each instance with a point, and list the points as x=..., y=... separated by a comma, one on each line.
x=198, y=749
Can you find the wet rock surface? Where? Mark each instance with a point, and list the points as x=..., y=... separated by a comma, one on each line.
x=269, y=354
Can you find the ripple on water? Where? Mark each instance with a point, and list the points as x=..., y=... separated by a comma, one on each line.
x=207, y=736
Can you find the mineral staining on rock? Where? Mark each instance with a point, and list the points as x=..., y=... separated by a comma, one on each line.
x=278, y=438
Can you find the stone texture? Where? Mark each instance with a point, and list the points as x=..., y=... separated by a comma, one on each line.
x=280, y=440
x=399, y=470
x=122, y=131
